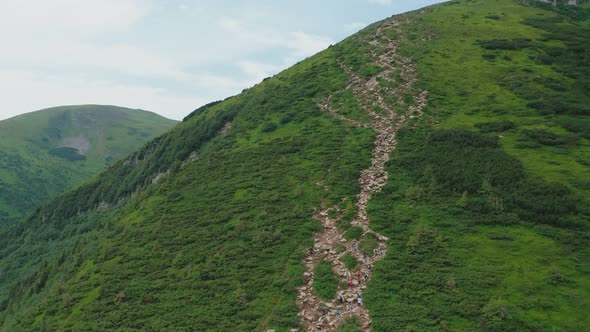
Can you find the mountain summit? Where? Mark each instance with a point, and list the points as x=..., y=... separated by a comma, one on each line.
x=44, y=153
x=428, y=173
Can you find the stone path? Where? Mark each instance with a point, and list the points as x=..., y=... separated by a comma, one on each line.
x=319, y=315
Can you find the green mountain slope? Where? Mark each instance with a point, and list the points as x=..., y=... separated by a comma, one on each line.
x=491, y=197
x=44, y=153
x=208, y=227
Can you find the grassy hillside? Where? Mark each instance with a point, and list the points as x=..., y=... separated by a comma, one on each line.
x=221, y=234
x=205, y=227
x=44, y=153
x=488, y=208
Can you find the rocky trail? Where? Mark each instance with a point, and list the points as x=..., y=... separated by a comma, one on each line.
x=315, y=313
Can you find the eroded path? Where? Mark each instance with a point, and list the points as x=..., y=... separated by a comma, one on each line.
x=389, y=106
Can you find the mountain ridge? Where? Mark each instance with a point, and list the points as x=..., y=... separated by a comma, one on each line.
x=72, y=141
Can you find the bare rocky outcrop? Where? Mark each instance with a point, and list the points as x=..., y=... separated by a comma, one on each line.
x=226, y=128
x=386, y=119
x=80, y=143
x=160, y=176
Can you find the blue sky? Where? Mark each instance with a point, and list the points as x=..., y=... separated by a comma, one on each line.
x=164, y=56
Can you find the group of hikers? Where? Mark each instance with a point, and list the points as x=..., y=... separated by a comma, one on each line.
x=362, y=275
x=349, y=305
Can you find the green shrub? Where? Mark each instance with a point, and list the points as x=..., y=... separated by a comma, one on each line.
x=458, y=163
x=455, y=161
x=350, y=261
x=354, y=233
x=546, y=137
x=500, y=315
x=576, y=125
x=350, y=325
x=369, y=243
x=495, y=126
x=269, y=127
x=67, y=153
x=325, y=282
x=544, y=203
x=555, y=105
x=488, y=56
x=506, y=44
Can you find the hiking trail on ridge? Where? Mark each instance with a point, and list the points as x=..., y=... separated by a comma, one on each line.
x=315, y=313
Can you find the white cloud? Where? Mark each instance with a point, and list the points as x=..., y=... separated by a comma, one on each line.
x=354, y=26
x=257, y=71
x=226, y=85
x=381, y=2
x=70, y=16
x=254, y=37
x=305, y=44
x=78, y=55
x=30, y=91
x=61, y=35
x=301, y=43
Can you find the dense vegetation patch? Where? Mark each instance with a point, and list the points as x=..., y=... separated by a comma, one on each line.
x=325, y=283
x=350, y=325
x=490, y=181
x=545, y=137
x=503, y=44
x=67, y=153
x=350, y=261
x=495, y=126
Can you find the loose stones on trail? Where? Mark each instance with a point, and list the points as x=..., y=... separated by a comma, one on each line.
x=318, y=315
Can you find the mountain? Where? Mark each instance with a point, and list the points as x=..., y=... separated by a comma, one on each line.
x=441, y=153
x=45, y=153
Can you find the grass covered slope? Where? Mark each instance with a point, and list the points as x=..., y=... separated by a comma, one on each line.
x=44, y=153
x=205, y=223
x=487, y=205
x=206, y=226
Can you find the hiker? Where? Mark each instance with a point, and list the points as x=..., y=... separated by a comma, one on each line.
x=359, y=299
x=350, y=283
x=341, y=298
x=359, y=275
x=337, y=313
x=324, y=309
x=366, y=276
x=364, y=258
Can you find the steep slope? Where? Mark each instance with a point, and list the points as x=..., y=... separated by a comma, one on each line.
x=44, y=153
x=487, y=213
x=426, y=160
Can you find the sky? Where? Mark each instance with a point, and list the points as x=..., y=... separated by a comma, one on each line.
x=164, y=56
